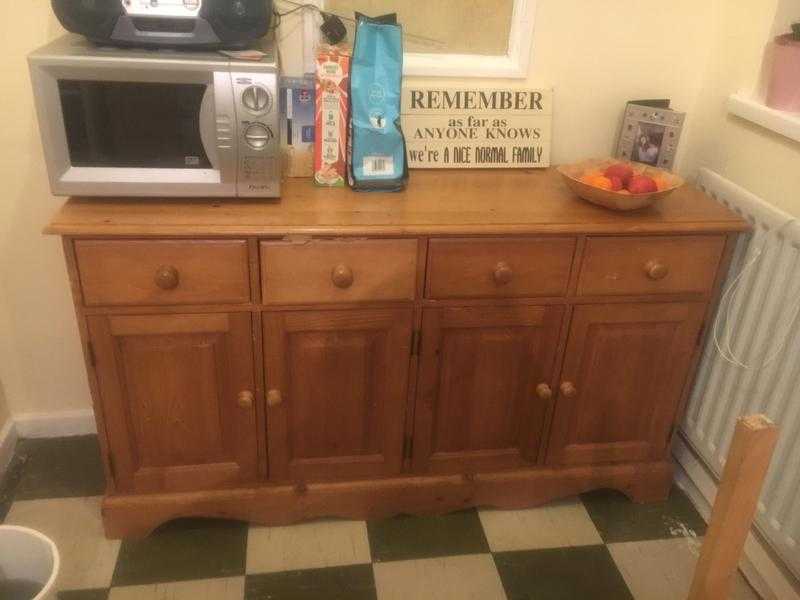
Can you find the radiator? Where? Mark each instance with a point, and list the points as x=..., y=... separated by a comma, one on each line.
x=761, y=315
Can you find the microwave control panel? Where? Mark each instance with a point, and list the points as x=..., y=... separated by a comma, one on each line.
x=258, y=138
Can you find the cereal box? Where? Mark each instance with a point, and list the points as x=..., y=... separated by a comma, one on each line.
x=298, y=110
x=330, y=146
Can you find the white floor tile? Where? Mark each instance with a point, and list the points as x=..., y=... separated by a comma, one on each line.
x=663, y=569
x=307, y=546
x=87, y=557
x=471, y=577
x=556, y=525
x=231, y=588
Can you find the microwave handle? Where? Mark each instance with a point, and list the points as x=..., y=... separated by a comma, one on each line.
x=217, y=127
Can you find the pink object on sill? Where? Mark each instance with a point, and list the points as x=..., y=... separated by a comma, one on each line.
x=783, y=92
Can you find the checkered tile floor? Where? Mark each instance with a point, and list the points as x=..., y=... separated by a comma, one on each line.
x=598, y=546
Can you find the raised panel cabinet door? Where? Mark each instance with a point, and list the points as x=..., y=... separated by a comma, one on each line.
x=337, y=389
x=485, y=387
x=178, y=399
x=624, y=371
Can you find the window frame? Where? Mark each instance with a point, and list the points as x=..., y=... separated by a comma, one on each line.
x=514, y=64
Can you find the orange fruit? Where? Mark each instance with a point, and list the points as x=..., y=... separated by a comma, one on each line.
x=599, y=181
x=661, y=182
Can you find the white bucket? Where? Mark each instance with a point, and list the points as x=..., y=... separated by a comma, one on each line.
x=28, y=555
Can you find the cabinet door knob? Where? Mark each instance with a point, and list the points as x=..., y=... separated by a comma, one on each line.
x=167, y=277
x=544, y=391
x=656, y=270
x=342, y=276
x=568, y=389
x=245, y=399
x=503, y=273
x=274, y=398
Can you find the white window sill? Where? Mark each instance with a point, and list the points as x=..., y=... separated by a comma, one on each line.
x=784, y=123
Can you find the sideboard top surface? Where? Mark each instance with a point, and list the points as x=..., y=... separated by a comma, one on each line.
x=435, y=203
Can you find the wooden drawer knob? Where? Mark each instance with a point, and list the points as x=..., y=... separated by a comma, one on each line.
x=245, y=399
x=544, y=391
x=342, y=276
x=503, y=273
x=656, y=270
x=167, y=277
x=274, y=398
x=568, y=389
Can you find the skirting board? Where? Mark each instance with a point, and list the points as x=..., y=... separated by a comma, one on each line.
x=56, y=424
x=42, y=425
x=8, y=440
x=768, y=578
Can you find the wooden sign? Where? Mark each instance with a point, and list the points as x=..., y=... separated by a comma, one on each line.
x=477, y=128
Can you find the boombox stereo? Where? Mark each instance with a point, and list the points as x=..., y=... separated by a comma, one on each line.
x=167, y=23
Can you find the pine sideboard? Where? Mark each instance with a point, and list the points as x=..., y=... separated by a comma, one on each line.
x=482, y=339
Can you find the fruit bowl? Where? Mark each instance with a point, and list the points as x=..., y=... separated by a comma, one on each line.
x=618, y=200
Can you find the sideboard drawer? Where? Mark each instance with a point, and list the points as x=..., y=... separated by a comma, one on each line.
x=650, y=265
x=325, y=271
x=155, y=272
x=491, y=268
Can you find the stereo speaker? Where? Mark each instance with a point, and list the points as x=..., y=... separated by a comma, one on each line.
x=92, y=18
x=235, y=18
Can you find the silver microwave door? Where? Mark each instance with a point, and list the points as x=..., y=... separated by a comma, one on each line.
x=116, y=131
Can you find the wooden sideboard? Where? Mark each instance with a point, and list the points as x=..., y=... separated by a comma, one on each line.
x=484, y=338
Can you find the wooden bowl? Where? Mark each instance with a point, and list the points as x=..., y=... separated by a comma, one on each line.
x=616, y=200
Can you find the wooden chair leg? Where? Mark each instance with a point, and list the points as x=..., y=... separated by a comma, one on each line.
x=734, y=507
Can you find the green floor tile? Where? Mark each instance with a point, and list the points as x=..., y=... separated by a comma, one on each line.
x=620, y=520
x=59, y=468
x=355, y=582
x=577, y=573
x=183, y=550
x=406, y=537
x=83, y=595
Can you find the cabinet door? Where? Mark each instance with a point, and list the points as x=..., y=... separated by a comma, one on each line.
x=337, y=392
x=177, y=396
x=484, y=390
x=623, y=375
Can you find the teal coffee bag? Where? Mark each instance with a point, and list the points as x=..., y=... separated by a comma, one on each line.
x=377, y=146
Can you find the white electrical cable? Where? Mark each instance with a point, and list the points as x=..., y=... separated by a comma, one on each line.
x=725, y=350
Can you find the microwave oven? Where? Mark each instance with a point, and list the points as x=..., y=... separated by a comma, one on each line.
x=164, y=123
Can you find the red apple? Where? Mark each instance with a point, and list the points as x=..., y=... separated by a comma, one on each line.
x=624, y=172
x=642, y=184
x=616, y=183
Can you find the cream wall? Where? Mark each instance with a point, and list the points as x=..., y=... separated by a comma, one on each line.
x=599, y=55
x=759, y=160
x=595, y=55
x=40, y=361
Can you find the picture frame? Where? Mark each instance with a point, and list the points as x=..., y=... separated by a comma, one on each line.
x=650, y=134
